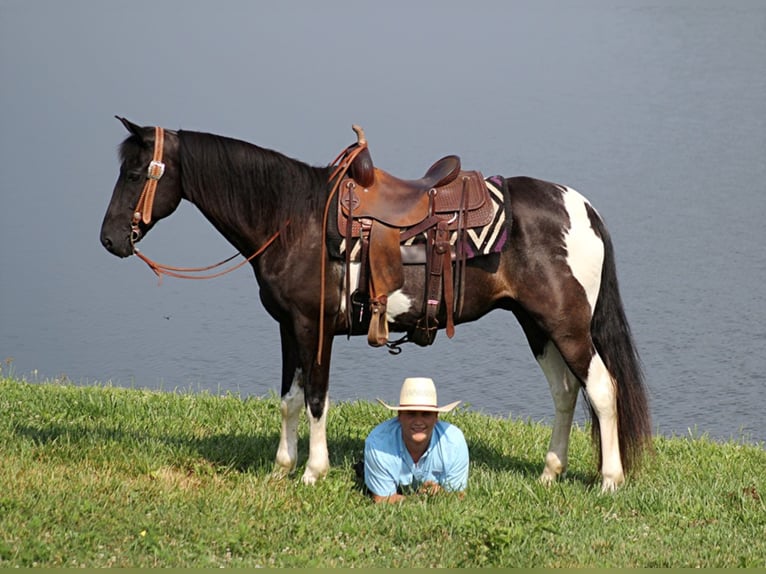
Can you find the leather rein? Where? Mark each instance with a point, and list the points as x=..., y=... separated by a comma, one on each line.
x=143, y=214
x=342, y=164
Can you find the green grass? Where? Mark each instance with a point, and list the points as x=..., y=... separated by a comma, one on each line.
x=102, y=476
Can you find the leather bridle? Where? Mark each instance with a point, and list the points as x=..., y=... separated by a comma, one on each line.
x=143, y=214
x=156, y=169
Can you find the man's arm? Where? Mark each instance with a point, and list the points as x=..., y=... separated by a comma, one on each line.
x=456, y=479
x=377, y=476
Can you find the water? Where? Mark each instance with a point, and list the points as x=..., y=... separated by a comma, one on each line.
x=655, y=111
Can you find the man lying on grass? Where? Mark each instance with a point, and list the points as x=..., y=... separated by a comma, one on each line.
x=415, y=452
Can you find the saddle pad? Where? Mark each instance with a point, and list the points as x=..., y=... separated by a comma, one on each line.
x=484, y=240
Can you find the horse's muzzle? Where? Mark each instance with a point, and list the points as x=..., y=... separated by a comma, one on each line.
x=122, y=248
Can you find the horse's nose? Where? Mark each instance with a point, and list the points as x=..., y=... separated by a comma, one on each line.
x=115, y=246
x=107, y=243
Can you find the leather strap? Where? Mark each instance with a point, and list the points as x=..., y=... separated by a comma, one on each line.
x=154, y=172
x=443, y=254
x=342, y=164
x=460, y=252
x=349, y=318
x=143, y=213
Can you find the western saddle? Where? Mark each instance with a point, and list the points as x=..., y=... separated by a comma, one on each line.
x=382, y=212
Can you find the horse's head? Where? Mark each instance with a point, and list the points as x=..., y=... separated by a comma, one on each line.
x=147, y=189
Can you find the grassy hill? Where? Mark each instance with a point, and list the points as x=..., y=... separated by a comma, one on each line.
x=101, y=476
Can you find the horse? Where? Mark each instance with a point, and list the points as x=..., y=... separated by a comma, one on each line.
x=556, y=273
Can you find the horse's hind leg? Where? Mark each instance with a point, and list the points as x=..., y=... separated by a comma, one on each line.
x=586, y=364
x=564, y=388
x=565, y=366
x=602, y=394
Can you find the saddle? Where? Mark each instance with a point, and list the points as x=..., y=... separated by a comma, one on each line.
x=382, y=211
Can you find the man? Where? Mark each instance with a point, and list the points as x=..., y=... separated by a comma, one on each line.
x=415, y=452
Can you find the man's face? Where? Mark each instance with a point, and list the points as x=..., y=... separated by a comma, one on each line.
x=417, y=427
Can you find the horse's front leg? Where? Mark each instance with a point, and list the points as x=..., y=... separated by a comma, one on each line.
x=291, y=405
x=304, y=385
x=319, y=459
x=317, y=404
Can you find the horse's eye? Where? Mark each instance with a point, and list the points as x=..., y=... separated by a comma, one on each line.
x=133, y=176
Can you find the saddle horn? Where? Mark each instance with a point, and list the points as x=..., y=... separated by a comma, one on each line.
x=362, y=169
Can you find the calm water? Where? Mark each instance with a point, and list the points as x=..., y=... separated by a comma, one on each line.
x=655, y=111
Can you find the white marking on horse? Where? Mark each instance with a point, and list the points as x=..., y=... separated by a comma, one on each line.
x=398, y=304
x=287, y=453
x=601, y=391
x=292, y=403
x=585, y=250
x=353, y=271
x=564, y=387
x=319, y=458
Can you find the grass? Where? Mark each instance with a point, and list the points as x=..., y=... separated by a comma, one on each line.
x=100, y=476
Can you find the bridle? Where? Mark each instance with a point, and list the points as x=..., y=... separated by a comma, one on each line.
x=143, y=214
x=156, y=169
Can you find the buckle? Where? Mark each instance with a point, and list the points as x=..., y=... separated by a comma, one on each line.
x=156, y=169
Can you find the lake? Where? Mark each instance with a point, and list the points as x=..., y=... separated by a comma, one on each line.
x=655, y=111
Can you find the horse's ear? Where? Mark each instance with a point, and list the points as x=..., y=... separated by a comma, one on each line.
x=131, y=127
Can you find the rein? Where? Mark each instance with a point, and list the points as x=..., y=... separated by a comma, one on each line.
x=160, y=269
x=143, y=213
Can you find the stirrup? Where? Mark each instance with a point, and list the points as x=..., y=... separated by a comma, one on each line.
x=377, y=336
x=424, y=333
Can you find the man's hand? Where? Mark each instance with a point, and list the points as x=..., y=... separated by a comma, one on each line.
x=429, y=487
x=390, y=499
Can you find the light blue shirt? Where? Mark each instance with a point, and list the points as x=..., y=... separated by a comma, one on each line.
x=388, y=464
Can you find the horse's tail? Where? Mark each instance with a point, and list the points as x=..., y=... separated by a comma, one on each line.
x=613, y=340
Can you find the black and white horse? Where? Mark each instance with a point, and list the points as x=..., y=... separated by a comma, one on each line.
x=555, y=272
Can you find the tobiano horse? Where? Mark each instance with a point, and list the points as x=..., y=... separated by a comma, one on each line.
x=552, y=266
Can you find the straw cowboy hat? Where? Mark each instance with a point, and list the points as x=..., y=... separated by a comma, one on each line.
x=419, y=394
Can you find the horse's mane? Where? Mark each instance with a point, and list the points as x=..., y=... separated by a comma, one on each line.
x=245, y=185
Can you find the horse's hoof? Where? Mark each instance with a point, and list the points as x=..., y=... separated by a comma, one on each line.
x=310, y=478
x=311, y=475
x=554, y=468
x=546, y=478
x=279, y=472
x=609, y=485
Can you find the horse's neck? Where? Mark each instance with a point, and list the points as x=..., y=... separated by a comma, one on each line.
x=260, y=191
x=237, y=223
